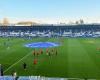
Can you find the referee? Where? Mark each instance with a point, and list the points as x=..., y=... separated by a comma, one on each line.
x=1, y=70
x=24, y=66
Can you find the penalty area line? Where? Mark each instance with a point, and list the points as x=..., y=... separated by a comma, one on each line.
x=17, y=62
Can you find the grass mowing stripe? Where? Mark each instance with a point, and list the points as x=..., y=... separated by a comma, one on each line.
x=89, y=68
x=17, y=62
x=80, y=63
x=95, y=69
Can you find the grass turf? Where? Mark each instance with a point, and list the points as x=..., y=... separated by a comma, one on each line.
x=77, y=58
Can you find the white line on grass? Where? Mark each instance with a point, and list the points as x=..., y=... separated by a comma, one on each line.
x=17, y=62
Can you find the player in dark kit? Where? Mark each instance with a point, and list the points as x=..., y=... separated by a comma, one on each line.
x=41, y=51
x=33, y=52
x=56, y=52
x=24, y=66
x=1, y=70
x=37, y=52
x=49, y=53
x=52, y=51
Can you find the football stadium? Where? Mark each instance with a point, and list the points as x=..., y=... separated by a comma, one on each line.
x=49, y=39
x=55, y=52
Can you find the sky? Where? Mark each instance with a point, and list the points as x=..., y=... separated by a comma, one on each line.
x=50, y=10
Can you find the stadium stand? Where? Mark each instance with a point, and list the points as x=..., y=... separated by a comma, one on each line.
x=37, y=78
x=50, y=31
x=29, y=78
x=6, y=78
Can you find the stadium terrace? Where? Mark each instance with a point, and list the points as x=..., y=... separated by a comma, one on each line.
x=91, y=30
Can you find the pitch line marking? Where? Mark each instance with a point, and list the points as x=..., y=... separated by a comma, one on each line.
x=17, y=62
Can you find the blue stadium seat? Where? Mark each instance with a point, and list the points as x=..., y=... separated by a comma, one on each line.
x=24, y=78
x=6, y=78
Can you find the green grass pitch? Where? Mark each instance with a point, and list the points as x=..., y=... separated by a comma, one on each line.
x=77, y=58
